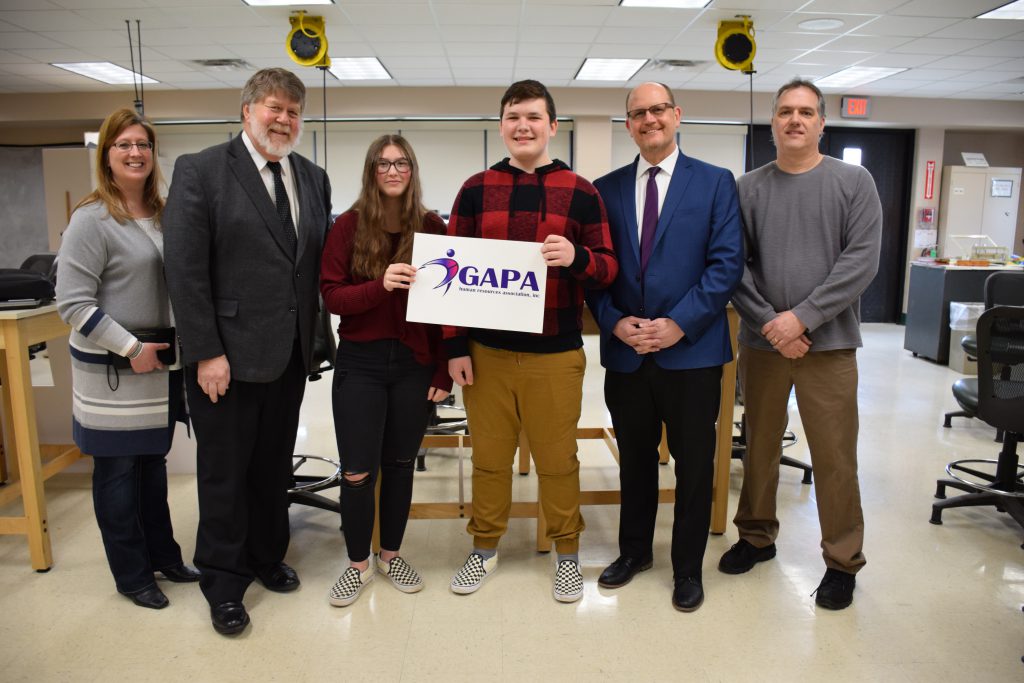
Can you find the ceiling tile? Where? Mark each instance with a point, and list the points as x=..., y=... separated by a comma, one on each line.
x=904, y=26
x=461, y=34
x=946, y=8
x=831, y=58
x=561, y=15
x=985, y=29
x=644, y=37
x=368, y=14
x=792, y=22
x=557, y=34
x=999, y=48
x=873, y=44
x=964, y=62
x=938, y=46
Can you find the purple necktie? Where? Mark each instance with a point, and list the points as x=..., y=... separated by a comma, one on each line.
x=650, y=223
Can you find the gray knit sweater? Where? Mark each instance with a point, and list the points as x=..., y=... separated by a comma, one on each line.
x=110, y=280
x=812, y=241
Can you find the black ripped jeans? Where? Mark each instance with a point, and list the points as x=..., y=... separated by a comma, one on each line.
x=380, y=415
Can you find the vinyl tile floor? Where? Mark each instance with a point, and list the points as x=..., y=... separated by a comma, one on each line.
x=932, y=603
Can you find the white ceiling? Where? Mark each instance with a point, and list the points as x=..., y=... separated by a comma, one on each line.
x=493, y=42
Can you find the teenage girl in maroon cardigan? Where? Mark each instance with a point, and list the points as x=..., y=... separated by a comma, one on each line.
x=388, y=370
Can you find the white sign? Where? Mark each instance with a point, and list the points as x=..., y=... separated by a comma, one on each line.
x=974, y=159
x=475, y=282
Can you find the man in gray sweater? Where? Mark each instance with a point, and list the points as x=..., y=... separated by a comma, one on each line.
x=812, y=229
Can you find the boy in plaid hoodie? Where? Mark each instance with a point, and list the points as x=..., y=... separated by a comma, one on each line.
x=518, y=381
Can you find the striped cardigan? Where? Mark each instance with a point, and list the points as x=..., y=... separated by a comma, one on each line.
x=111, y=280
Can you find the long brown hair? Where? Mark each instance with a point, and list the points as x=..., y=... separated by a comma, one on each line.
x=106, y=190
x=371, y=249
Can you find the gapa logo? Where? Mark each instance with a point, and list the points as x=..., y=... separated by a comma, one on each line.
x=471, y=276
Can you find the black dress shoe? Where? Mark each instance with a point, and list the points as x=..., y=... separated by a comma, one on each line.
x=229, y=618
x=688, y=594
x=621, y=571
x=151, y=597
x=181, y=573
x=279, y=578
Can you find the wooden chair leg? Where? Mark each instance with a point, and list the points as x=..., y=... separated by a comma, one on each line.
x=524, y=454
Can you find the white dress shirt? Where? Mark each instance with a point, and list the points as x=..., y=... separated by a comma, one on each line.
x=268, y=178
x=667, y=166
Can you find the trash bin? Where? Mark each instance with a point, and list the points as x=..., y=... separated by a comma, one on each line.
x=963, y=320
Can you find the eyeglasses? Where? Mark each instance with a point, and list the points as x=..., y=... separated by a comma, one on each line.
x=656, y=111
x=401, y=165
x=125, y=146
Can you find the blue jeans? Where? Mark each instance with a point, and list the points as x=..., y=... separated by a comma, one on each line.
x=129, y=494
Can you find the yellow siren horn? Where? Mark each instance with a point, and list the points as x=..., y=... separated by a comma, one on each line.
x=735, y=47
x=306, y=43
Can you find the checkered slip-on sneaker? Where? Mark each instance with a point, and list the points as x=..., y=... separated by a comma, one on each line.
x=468, y=579
x=349, y=585
x=568, y=582
x=401, y=573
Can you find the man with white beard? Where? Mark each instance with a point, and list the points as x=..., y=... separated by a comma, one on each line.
x=243, y=231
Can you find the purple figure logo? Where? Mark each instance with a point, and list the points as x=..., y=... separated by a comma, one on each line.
x=451, y=267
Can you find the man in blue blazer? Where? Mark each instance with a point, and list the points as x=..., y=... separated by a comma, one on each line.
x=664, y=334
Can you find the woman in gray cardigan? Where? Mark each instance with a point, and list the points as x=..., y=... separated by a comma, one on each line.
x=126, y=398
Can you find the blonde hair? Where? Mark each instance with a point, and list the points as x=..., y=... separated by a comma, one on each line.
x=371, y=248
x=107, y=191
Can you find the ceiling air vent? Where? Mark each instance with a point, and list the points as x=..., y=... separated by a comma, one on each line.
x=224, y=64
x=673, y=64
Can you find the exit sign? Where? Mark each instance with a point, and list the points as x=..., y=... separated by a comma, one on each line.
x=856, y=107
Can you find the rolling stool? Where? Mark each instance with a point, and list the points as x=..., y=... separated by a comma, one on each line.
x=436, y=424
x=739, y=448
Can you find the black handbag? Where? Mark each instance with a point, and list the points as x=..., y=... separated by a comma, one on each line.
x=161, y=335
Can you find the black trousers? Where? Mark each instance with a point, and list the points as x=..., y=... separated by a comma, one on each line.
x=686, y=401
x=245, y=443
x=380, y=414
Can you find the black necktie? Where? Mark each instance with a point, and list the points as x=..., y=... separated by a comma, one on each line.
x=284, y=209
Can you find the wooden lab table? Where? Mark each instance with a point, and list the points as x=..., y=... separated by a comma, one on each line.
x=25, y=472
x=532, y=509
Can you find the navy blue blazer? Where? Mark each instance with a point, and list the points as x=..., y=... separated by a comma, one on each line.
x=696, y=263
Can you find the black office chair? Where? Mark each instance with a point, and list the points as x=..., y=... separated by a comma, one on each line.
x=1003, y=288
x=305, y=488
x=1000, y=404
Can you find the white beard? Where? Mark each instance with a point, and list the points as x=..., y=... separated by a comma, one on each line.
x=279, y=149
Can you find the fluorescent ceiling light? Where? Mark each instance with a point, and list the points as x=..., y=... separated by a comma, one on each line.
x=595, y=69
x=854, y=76
x=1013, y=10
x=675, y=4
x=105, y=72
x=275, y=3
x=358, y=69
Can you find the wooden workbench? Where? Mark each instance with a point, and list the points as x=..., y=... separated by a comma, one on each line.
x=30, y=463
x=531, y=509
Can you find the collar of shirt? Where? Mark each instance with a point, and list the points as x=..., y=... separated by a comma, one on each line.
x=268, y=177
x=667, y=166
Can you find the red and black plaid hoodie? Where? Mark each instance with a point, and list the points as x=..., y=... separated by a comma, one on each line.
x=507, y=203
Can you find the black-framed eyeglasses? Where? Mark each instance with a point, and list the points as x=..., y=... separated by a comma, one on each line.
x=401, y=165
x=656, y=111
x=126, y=146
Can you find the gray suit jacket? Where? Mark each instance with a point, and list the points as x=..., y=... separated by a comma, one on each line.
x=235, y=287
